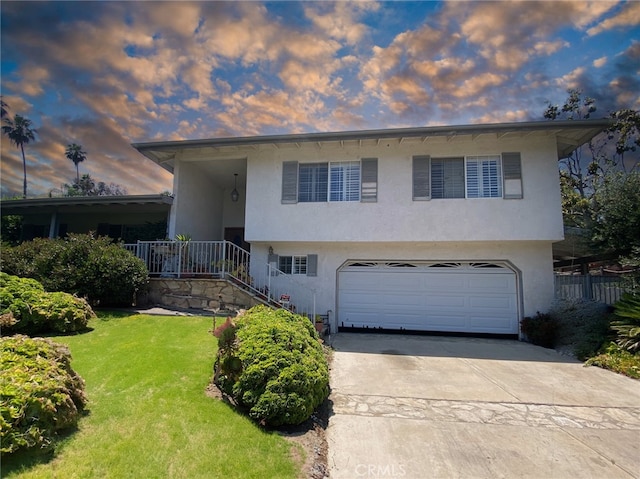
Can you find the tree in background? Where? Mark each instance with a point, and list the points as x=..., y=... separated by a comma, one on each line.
x=616, y=214
x=20, y=132
x=585, y=170
x=601, y=182
x=74, y=153
x=87, y=186
x=627, y=125
x=3, y=108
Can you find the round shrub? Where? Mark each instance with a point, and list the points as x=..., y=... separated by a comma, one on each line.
x=276, y=367
x=93, y=268
x=40, y=393
x=25, y=307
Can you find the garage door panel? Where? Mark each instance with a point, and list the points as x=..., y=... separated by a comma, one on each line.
x=430, y=299
x=403, y=303
x=443, y=283
x=446, y=322
x=490, y=323
x=499, y=303
x=444, y=301
x=488, y=282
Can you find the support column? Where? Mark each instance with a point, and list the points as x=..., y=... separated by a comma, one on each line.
x=53, y=225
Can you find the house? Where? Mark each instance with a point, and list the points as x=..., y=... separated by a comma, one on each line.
x=435, y=228
x=128, y=217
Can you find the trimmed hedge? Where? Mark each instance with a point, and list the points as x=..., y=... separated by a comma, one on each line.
x=26, y=308
x=93, y=268
x=40, y=393
x=272, y=363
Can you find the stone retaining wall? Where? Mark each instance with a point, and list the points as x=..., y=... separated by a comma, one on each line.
x=190, y=293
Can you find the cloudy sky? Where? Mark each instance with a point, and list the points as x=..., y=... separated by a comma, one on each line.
x=106, y=74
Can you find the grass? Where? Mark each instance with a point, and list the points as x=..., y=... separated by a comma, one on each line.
x=148, y=413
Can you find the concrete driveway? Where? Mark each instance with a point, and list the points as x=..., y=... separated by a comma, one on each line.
x=440, y=407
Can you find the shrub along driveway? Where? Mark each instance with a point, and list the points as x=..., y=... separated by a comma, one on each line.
x=431, y=407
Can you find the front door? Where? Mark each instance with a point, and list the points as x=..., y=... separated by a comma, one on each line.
x=236, y=236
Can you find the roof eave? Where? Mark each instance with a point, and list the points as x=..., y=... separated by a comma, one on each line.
x=592, y=127
x=87, y=200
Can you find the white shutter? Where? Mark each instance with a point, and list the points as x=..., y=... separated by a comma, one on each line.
x=421, y=179
x=512, y=172
x=473, y=179
x=484, y=177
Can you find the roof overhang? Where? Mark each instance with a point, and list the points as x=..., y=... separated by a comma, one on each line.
x=569, y=134
x=41, y=205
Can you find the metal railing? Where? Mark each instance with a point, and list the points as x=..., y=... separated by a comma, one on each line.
x=606, y=289
x=225, y=260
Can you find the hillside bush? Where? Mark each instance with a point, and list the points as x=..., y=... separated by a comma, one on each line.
x=583, y=325
x=93, y=268
x=627, y=323
x=26, y=308
x=272, y=363
x=40, y=394
x=615, y=358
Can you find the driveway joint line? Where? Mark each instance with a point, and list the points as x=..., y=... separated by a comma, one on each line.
x=605, y=457
x=488, y=378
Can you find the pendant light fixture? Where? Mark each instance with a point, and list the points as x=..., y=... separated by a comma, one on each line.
x=235, y=196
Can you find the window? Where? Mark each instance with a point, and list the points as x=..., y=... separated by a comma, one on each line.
x=345, y=181
x=447, y=178
x=488, y=176
x=332, y=181
x=293, y=264
x=484, y=177
x=312, y=182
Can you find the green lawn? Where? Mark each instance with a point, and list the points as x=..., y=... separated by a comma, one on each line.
x=149, y=416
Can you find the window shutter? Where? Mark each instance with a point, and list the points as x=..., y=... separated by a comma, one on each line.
x=512, y=171
x=369, y=180
x=421, y=190
x=312, y=265
x=274, y=263
x=289, y=182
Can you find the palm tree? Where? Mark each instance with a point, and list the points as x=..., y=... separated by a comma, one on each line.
x=74, y=153
x=3, y=108
x=20, y=133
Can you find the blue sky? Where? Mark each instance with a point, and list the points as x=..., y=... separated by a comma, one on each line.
x=106, y=74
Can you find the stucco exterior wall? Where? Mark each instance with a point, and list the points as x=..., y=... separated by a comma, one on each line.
x=198, y=206
x=395, y=216
x=532, y=261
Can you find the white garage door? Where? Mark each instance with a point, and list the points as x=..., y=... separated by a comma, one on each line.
x=454, y=297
